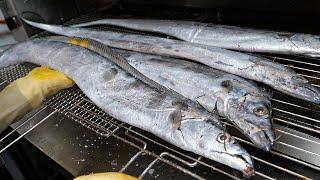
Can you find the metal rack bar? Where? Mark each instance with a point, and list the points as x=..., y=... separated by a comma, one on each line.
x=25, y=133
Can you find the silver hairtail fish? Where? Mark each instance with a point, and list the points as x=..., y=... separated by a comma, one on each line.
x=131, y=101
x=248, y=66
x=240, y=101
x=229, y=37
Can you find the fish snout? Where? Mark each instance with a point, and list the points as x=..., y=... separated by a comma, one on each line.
x=317, y=100
x=264, y=138
x=249, y=171
x=314, y=93
x=308, y=92
x=270, y=134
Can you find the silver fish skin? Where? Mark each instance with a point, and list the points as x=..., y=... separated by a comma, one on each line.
x=233, y=97
x=4, y=47
x=240, y=101
x=229, y=37
x=133, y=102
x=248, y=66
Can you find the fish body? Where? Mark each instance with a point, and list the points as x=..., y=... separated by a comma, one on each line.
x=129, y=100
x=4, y=47
x=229, y=37
x=248, y=66
x=233, y=97
x=240, y=101
x=116, y=58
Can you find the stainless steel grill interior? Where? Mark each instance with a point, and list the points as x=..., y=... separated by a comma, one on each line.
x=296, y=154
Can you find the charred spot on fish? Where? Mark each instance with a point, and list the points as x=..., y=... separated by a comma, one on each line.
x=180, y=104
x=227, y=85
x=109, y=75
x=176, y=118
x=176, y=50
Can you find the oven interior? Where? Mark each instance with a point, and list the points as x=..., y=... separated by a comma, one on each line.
x=296, y=154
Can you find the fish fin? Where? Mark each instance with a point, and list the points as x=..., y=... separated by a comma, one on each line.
x=227, y=84
x=176, y=118
x=180, y=104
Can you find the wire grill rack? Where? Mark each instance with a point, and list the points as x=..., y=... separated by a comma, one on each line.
x=296, y=155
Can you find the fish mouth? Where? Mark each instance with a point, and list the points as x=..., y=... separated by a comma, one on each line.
x=315, y=94
x=248, y=170
x=263, y=139
x=241, y=161
x=245, y=157
x=306, y=92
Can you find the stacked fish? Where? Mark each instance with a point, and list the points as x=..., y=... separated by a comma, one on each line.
x=175, y=99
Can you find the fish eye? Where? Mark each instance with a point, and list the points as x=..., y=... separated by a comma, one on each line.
x=261, y=111
x=222, y=138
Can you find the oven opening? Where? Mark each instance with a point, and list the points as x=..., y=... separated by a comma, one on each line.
x=295, y=154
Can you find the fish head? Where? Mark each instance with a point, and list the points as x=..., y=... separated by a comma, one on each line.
x=302, y=89
x=213, y=142
x=286, y=80
x=251, y=114
x=307, y=44
x=232, y=152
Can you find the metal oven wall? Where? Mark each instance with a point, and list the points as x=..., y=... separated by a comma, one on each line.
x=50, y=11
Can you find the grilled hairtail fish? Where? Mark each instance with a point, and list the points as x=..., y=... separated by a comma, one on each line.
x=133, y=102
x=248, y=66
x=240, y=101
x=229, y=37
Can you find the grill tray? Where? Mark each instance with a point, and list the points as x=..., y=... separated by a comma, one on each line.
x=296, y=155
